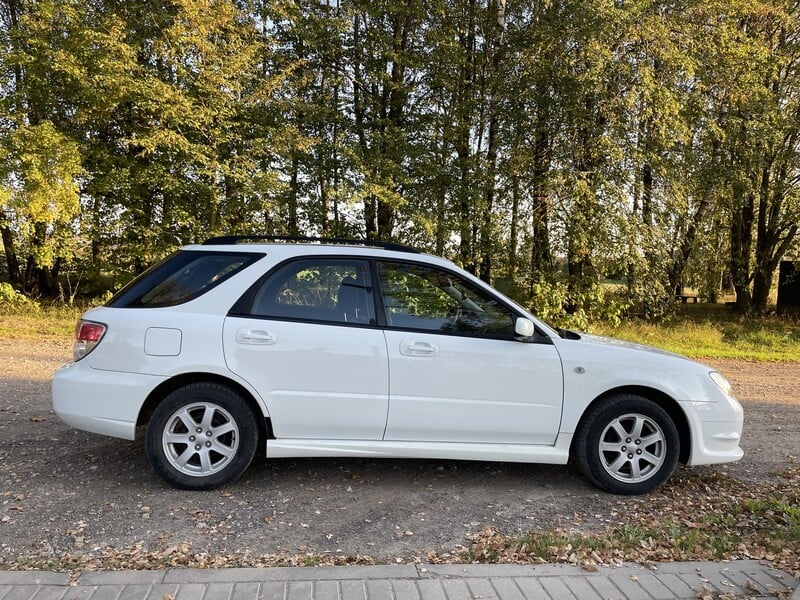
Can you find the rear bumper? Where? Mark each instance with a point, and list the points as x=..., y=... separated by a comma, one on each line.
x=104, y=402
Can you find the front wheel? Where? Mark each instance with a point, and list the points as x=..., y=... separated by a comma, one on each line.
x=201, y=436
x=627, y=445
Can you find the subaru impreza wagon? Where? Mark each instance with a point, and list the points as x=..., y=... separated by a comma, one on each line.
x=371, y=349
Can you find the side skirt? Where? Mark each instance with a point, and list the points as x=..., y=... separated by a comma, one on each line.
x=557, y=454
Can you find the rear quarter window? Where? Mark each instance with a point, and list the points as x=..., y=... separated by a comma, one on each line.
x=181, y=277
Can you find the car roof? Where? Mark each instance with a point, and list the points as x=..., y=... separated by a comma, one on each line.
x=235, y=239
x=298, y=249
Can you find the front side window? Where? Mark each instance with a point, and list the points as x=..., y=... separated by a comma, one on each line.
x=330, y=290
x=420, y=297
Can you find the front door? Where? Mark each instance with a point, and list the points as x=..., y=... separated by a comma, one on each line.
x=456, y=372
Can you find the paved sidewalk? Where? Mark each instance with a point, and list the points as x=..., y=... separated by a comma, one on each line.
x=745, y=579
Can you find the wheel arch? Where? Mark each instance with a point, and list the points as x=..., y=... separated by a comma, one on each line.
x=664, y=400
x=178, y=381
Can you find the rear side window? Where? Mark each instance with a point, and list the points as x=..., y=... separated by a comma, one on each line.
x=329, y=290
x=181, y=277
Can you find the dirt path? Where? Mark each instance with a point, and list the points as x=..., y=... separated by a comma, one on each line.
x=66, y=491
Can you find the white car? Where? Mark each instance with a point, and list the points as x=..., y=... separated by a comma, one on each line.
x=375, y=350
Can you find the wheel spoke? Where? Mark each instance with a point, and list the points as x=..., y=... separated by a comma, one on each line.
x=205, y=461
x=223, y=429
x=617, y=426
x=208, y=417
x=635, y=471
x=610, y=447
x=176, y=438
x=226, y=451
x=637, y=427
x=651, y=439
x=618, y=463
x=651, y=458
x=185, y=456
x=187, y=420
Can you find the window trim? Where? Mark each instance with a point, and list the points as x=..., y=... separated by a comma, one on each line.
x=120, y=299
x=245, y=302
x=514, y=313
x=247, y=298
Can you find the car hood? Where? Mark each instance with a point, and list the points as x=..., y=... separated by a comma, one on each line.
x=599, y=363
x=602, y=341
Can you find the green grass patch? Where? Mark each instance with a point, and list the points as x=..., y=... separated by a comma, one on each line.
x=714, y=331
x=36, y=322
x=696, y=331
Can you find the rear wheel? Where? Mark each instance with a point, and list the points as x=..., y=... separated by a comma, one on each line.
x=201, y=436
x=627, y=445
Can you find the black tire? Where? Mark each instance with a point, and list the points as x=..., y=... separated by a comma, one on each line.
x=201, y=436
x=640, y=441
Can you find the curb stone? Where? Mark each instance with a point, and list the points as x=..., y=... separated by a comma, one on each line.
x=796, y=594
x=742, y=579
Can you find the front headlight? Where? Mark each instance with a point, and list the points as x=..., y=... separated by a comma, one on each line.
x=721, y=382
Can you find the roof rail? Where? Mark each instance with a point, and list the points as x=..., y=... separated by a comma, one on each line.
x=235, y=239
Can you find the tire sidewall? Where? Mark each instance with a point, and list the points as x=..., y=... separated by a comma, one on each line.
x=212, y=393
x=588, y=442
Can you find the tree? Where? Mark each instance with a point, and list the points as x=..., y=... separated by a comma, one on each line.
x=40, y=192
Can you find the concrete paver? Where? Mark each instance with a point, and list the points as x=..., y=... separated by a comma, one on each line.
x=745, y=579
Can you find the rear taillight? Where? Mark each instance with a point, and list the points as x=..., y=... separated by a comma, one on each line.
x=87, y=335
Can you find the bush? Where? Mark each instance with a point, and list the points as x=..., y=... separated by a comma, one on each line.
x=597, y=303
x=11, y=298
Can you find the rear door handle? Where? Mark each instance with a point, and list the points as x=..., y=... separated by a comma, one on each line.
x=418, y=349
x=255, y=337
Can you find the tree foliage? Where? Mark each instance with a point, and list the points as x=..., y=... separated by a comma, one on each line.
x=547, y=146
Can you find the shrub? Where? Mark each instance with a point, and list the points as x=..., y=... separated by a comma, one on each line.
x=9, y=297
x=550, y=299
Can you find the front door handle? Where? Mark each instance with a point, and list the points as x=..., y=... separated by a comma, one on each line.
x=255, y=336
x=419, y=349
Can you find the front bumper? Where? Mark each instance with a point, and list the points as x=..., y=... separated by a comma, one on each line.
x=104, y=402
x=716, y=431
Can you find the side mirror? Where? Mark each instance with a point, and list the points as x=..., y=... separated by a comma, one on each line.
x=524, y=328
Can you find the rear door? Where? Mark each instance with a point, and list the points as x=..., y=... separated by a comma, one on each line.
x=306, y=339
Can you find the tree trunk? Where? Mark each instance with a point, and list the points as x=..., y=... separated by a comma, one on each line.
x=359, y=114
x=741, y=245
x=514, y=225
x=579, y=232
x=463, y=119
x=294, y=192
x=540, y=209
x=773, y=238
x=497, y=8
x=12, y=262
x=681, y=257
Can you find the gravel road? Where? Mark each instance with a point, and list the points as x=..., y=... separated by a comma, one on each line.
x=66, y=491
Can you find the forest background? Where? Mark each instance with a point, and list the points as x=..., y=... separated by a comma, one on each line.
x=547, y=146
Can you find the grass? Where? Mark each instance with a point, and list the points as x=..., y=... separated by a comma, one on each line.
x=696, y=330
x=714, y=331
x=703, y=518
x=32, y=322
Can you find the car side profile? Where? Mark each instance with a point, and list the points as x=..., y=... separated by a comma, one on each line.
x=371, y=349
